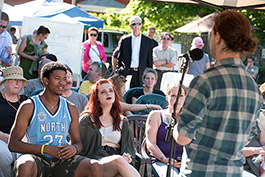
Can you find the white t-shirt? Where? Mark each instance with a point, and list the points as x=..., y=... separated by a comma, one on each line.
x=94, y=53
x=109, y=137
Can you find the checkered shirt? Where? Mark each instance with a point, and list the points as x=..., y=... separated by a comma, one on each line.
x=219, y=115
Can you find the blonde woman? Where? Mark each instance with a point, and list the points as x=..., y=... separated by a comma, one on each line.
x=157, y=122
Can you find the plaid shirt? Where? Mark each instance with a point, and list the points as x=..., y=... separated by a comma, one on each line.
x=219, y=116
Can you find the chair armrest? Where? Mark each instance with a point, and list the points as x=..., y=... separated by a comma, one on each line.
x=140, y=163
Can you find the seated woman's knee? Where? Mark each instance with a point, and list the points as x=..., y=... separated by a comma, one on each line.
x=95, y=165
x=120, y=161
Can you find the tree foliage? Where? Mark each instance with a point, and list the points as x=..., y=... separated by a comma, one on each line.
x=257, y=19
x=164, y=16
x=170, y=16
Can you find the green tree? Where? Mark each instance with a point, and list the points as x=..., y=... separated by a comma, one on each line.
x=164, y=16
x=257, y=19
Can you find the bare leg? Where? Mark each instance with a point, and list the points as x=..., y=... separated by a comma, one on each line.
x=26, y=166
x=89, y=168
x=116, y=165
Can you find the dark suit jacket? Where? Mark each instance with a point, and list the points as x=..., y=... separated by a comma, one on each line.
x=146, y=55
x=155, y=43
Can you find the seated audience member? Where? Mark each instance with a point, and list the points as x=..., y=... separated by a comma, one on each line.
x=149, y=79
x=10, y=99
x=106, y=134
x=78, y=99
x=47, y=119
x=118, y=82
x=156, y=131
x=96, y=71
x=254, y=153
x=251, y=68
x=35, y=84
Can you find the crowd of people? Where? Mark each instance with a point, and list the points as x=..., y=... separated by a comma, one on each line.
x=50, y=128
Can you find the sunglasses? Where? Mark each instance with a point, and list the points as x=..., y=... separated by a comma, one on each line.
x=133, y=24
x=91, y=34
x=1, y=26
x=166, y=38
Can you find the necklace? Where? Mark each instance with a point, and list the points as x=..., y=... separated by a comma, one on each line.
x=52, y=106
x=11, y=104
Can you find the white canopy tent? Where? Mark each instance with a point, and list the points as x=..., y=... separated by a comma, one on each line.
x=49, y=9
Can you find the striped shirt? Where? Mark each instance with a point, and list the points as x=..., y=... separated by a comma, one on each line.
x=219, y=116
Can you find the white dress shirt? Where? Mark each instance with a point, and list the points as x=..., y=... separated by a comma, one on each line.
x=136, y=45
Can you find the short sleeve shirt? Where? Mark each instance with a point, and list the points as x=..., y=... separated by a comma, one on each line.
x=197, y=67
x=251, y=71
x=168, y=54
x=85, y=87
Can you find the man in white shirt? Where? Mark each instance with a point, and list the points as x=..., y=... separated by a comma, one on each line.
x=135, y=53
x=164, y=57
x=5, y=41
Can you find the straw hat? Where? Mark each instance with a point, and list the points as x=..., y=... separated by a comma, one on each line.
x=13, y=72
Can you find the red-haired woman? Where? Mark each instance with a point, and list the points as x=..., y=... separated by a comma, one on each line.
x=105, y=133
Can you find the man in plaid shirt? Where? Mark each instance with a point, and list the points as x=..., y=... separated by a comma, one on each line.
x=220, y=112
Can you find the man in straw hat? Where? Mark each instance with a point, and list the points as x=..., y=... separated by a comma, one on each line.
x=47, y=119
x=220, y=112
x=10, y=99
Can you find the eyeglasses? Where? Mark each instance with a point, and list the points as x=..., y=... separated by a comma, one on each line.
x=1, y=26
x=133, y=24
x=17, y=80
x=92, y=34
x=166, y=38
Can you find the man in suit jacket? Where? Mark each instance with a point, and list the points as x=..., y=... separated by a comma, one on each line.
x=135, y=53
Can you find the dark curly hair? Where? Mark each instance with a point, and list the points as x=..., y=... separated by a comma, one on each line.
x=50, y=67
